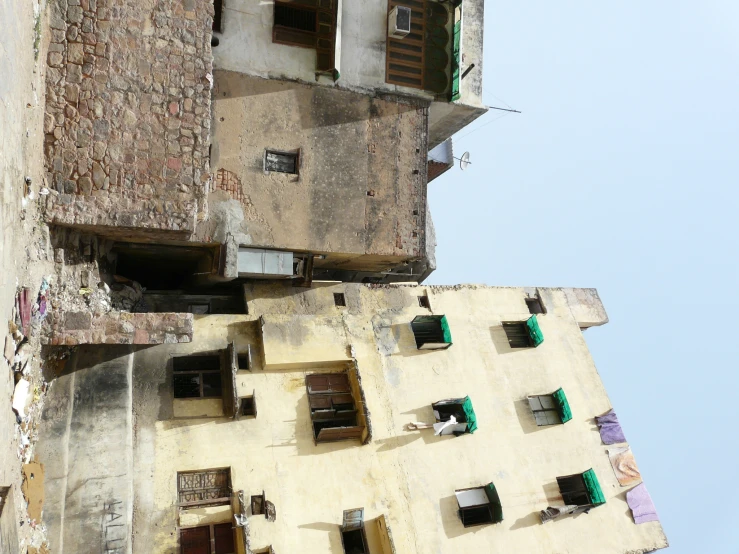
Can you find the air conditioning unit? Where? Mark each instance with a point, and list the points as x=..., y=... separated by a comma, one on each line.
x=399, y=22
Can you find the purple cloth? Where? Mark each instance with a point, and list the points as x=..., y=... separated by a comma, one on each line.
x=610, y=429
x=641, y=504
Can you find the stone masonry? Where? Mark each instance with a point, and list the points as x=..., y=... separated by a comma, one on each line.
x=120, y=328
x=127, y=123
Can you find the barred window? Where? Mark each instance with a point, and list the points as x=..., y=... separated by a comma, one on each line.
x=210, y=487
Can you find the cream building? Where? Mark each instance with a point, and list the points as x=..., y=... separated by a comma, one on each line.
x=291, y=419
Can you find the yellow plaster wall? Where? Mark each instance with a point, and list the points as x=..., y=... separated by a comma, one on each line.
x=410, y=477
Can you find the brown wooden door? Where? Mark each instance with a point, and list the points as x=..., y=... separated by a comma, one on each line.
x=195, y=540
x=224, y=539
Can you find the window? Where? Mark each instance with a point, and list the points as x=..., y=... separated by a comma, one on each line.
x=545, y=411
x=535, y=305
x=257, y=504
x=518, y=334
x=309, y=27
x=424, y=302
x=479, y=505
x=340, y=299
x=581, y=489
x=210, y=487
x=244, y=359
x=332, y=409
x=295, y=17
x=353, y=537
x=431, y=332
x=249, y=406
x=197, y=376
x=281, y=162
x=208, y=539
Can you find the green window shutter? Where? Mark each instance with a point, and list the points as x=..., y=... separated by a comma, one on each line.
x=470, y=413
x=445, y=330
x=535, y=333
x=456, y=59
x=563, y=407
x=595, y=493
x=492, y=494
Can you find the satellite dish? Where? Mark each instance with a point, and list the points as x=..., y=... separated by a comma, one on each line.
x=464, y=161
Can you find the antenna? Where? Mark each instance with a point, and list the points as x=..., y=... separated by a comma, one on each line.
x=464, y=161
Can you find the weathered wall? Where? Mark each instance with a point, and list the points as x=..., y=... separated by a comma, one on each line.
x=128, y=114
x=410, y=477
x=360, y=195
x=246, y=47
x=114, y=327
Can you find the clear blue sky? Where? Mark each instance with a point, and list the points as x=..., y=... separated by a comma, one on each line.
x=621, y=174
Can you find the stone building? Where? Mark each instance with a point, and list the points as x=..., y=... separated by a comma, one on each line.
x=350, y=418
x=323, y=172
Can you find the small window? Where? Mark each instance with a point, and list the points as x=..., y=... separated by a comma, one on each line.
x=431, y=332
x=245, y=362
x=197, y=376
x=339, y=299
x=353, y=537
x=518, y=334
x=535, y=305
x=210, y=487
x=294, y=17
x=257, y=504
x=545, y=410
x=479, y=505
x=424, y=302
x=281, y=162
x=249, y=406
x=581, y=489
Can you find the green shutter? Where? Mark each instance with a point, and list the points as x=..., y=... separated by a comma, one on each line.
x=445, y=330
x=456, y=59
x=534, y=331
x=470, y=414
x=563, y=407
x=595, y=493
x=492, y=494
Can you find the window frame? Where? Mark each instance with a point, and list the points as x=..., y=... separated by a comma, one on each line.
x=571, y=495
x=310, y=36
x=294, y=154
x=205, y=502
x=550, y=399
x=200, y=373
x=340, y=300
x=329, y=409
x=488, y=506
x=518, y=326
x=244, y=402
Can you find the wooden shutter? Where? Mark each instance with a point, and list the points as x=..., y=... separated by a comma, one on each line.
x=327, y=383
x=195, y=540
x=224, y=538
x=339, y=434
x=228, y=381
x=353, y=519
x=326, y=34
x=404, y=63
x=217, y=17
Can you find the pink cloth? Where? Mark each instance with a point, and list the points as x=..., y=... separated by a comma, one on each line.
x=642, y=507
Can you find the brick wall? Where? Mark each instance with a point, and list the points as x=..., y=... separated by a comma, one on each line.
x=73, y=328
x=127, y=123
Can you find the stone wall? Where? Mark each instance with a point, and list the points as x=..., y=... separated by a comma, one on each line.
x=127, y=121
x=73, y=328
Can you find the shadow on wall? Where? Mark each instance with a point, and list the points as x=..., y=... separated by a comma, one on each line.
x=317, y=105
x=500, y=340
x=333, y=529
x=552, y=494
x=526, y=521
x=526, y=417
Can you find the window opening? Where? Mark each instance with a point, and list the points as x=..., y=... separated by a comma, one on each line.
x=545, y=411
x=197, y=376
x=300, y=18
x=424, y=302
x=281, y=162
x=353, y=537
x=245, y=361
x=210, y=487
x=535, y=305
x=581, y=489
x=332, y=408
x=257, y=504
x=339, y=299
x=249, y=406
x=479, y=505
x=518, y=334
x=431, y=332
x=217, y=16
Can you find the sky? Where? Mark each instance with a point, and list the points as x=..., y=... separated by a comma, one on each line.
x=621, y=174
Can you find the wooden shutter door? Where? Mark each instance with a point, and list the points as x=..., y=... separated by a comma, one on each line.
x=195, y=540
x=224, y=539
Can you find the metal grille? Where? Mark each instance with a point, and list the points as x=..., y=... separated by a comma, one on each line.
x=518, y=334
x=572, y=488
x=295, y=18
x=204, y=488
